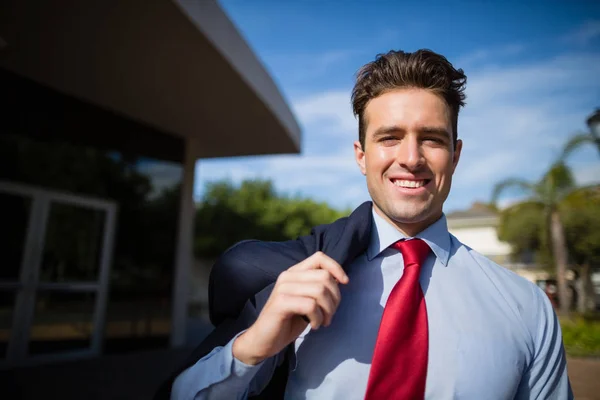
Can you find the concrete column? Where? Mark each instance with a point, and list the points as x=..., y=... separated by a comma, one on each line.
x=184, y=250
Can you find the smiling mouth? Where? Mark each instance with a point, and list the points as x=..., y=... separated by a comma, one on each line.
x=410, y=184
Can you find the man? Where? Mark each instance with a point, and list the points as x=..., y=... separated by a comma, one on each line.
x=384, y=304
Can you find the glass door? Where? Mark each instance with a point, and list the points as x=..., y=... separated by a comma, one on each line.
x=54, y=281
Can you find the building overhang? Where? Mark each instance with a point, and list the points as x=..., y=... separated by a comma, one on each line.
x=178, y=67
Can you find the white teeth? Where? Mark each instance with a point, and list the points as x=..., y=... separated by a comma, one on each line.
x=409, y=184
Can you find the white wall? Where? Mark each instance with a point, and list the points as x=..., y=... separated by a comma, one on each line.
x=483, y=239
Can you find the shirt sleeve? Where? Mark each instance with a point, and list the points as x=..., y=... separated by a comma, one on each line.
x=546, y=377
x=219, y=375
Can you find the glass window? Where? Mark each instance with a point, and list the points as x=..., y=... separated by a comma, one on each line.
x=147, y=193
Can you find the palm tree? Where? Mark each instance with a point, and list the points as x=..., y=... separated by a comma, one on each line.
x=578, y=140
x=547, y=194
x=581, y=139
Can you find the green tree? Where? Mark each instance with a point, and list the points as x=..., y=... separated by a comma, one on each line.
x=253, y=210
x=582, y=244
x=581, y=214
x=544, y=198
x=523, y=226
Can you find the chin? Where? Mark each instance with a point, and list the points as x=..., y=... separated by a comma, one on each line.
x=409, y=216
x=409, y=219
x=411, y=211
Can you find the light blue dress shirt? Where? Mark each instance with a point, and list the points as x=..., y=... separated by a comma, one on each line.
x=492, y=334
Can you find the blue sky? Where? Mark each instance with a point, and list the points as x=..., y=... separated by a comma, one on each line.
x=533, y=77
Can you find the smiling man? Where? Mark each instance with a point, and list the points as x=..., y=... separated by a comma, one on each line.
x=408, y=152
x=386, y=303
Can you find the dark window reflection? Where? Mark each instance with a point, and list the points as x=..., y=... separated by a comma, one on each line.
x=14, y=216
x=146, y=192
x=7, y=303
x=62, y=321
x=73, y=244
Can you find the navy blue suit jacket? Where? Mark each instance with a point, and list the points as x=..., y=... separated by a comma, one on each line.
x=250, y=267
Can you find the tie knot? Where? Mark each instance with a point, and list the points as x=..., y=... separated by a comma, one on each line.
x=414, y=251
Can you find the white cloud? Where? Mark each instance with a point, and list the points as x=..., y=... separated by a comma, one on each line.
x=516, y=119
x=301, y=173
x=354, y=193
x=517, y=82
x=584, y=34
x=587, y=174
x=476, y=170
x=331, y=110
x=312, y=174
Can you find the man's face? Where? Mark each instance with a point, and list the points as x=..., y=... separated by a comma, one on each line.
x=408, y=157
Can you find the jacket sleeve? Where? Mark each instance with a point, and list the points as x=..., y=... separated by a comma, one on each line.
x=236, y=280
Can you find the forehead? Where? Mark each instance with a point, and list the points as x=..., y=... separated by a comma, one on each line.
x=408, y=109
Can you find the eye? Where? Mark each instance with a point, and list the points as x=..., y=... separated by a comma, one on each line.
x=434, y=139
x=388, y=139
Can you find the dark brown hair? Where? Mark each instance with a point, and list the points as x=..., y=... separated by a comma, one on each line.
x=423, y=69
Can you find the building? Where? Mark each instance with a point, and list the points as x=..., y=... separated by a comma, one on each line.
x=106, y=108
x=477, y=228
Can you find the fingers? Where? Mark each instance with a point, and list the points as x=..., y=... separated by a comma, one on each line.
x=310, y=289
x=321, y=260
x=305, y=306
x=318, y=277
x=326, y=298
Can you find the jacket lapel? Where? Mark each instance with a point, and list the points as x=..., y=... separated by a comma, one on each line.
x=346, y=239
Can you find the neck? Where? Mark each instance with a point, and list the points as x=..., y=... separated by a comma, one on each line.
x=409, y=229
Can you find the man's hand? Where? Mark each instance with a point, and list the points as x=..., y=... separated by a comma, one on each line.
x=307, y=291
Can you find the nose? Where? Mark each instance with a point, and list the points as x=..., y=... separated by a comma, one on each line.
x=410, y=154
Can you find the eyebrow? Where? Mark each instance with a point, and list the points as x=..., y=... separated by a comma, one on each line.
x=386, y=130
x=435, y=131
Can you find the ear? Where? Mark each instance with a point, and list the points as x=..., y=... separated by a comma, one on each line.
x=456, y=156
x=359, y=156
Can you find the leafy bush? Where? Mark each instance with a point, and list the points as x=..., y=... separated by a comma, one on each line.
x=581, y=336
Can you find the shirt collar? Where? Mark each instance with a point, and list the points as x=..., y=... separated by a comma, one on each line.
x=384, y=234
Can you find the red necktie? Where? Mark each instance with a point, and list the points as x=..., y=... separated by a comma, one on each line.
x=399, y=365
